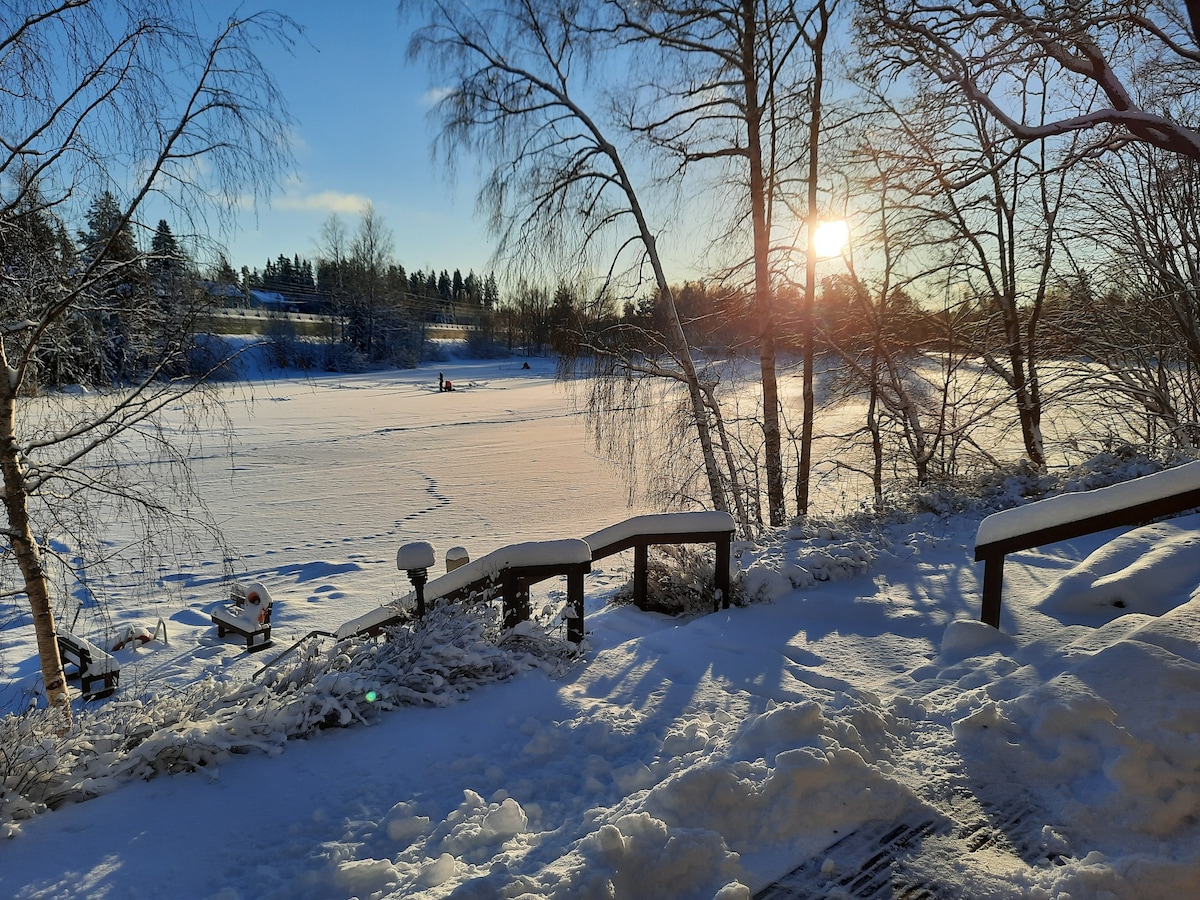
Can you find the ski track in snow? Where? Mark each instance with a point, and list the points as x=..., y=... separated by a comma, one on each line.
x=511, y=420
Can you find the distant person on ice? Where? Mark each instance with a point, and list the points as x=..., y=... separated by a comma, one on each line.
x=441, y=382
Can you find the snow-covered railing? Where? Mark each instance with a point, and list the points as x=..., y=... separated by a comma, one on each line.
x=514, y=568
x=99, y=671
x=1073, y=515
x=640, y=532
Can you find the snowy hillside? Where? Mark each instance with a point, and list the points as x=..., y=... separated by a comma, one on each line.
x=852, y=730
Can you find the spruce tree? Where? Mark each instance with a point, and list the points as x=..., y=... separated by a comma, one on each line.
x=108, y=237
x=166, y=258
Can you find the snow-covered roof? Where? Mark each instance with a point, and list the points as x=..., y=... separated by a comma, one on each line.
x=1076, y=507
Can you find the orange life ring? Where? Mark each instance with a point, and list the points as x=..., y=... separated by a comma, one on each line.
x=253, y=597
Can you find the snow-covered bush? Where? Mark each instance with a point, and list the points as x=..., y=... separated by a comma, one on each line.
x=1020, y=482
x=287, y=350
x=341, y=357
x=814, y=551
x=679, y=582
x=434, y=661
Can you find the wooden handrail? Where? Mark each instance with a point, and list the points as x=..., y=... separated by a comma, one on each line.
x=1134, y=502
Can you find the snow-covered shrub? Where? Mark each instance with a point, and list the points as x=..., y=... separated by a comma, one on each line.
x=434, y=351
x=679, y=582
x=287, y=350
x=1116, y=464
x=30, y=755
x=212, y=357
x=434, y=661
x=815, y=551
x=1020, y=482
x=340, y=357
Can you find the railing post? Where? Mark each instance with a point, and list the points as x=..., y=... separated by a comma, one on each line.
x=993, y=587
x=721, y=570
x=515, y=592
x=575, y=606
x=641, y=573
x=508, y=591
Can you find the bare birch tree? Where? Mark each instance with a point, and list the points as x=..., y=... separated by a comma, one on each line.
x=371, y=252
x=518, y=95
x=738, y=83
x=1133, y=308
x=988, y=209
x=129, y=98
x=1083, y=57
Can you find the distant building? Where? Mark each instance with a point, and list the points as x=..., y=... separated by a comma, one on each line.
x=272, y=300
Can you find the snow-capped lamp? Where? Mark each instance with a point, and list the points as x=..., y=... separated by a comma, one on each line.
x=455, y=557
x=415, y=559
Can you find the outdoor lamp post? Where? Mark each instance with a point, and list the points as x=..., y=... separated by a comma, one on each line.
x=415, y=559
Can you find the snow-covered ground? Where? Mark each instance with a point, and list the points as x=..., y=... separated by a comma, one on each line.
x=855, y=703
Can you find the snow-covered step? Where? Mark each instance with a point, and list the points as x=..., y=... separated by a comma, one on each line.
x=886, y=860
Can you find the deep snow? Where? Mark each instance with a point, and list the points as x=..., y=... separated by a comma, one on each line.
x=855, y=694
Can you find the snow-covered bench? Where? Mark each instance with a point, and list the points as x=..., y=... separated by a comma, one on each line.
x=641, y=532
x=98, y=669
x=248, y=613
x=513, y=568
x=1069, y=516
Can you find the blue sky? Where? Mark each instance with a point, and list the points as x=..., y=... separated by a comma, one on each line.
x=361, y=134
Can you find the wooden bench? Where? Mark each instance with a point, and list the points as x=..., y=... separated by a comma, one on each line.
x=1068, y=516
x=512, y=569
x=248, y=614
x=98, y=670
x=642, y=532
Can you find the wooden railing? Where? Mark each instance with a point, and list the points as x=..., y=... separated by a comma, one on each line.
x=642, y=532
x=513, y=569
x=1068, y=516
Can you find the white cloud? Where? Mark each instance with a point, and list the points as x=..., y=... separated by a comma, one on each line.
x=436, y=95
x=331, y=201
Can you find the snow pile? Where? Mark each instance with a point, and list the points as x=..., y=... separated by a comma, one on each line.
x=1107, y=737
x=795, y=768
x=1148, y=570
x=812, y=554
x=715, y=790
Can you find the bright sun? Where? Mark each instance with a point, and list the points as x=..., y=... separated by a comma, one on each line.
x=831, y=237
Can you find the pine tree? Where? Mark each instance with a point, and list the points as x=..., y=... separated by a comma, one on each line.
x=166, y=258
x=224, y=273
x=491, y=293
x=108, y=237
x=28, y=233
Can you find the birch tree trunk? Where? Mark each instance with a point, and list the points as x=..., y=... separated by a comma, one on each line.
x=24, y=544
